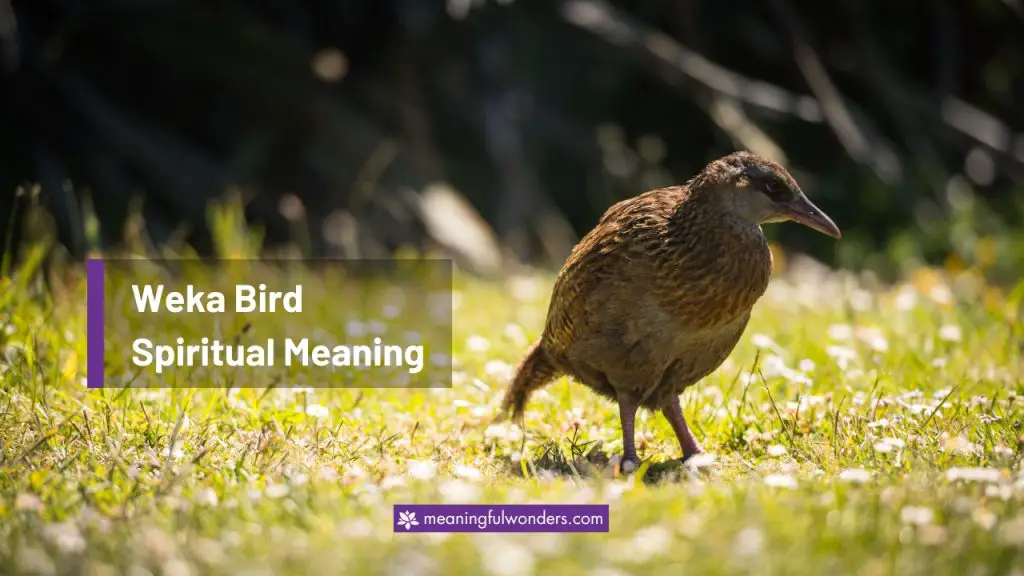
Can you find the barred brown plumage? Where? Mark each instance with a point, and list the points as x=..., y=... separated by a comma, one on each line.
x=656, y=296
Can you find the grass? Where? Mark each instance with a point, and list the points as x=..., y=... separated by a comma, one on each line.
x=856, y=430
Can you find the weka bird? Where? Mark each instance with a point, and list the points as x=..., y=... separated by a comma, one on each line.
x=657, y=295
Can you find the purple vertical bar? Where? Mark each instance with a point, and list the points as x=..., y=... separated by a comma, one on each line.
x=94, y=322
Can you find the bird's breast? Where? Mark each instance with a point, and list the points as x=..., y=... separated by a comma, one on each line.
x=714, y=287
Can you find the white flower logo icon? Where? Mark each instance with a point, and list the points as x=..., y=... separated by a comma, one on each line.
x=407, y=520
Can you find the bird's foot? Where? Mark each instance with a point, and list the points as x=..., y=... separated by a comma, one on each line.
x=624, y=465
x=699, y=462
x=630, y=465
x=690, y=456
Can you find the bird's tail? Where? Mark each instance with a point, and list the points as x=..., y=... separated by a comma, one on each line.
x=533, y=372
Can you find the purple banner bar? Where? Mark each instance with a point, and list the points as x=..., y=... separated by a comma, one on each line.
x=94, y=322
x=501, y=518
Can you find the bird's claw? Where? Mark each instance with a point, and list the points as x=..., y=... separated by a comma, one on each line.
x=629, y=466
x=687, y=457
x=702, y=462
x=622, y=465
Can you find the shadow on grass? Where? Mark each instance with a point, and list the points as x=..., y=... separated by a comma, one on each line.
x=588, y=460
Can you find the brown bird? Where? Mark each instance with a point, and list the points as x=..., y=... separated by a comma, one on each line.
x=657, y=295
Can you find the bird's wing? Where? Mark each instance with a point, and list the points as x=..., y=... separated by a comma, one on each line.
x=616, y=252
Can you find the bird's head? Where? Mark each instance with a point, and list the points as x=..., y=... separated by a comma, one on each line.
x=761, y=191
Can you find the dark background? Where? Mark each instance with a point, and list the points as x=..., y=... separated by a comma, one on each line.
x=364, y=126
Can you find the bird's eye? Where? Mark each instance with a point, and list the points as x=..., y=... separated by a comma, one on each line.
x=774, y=190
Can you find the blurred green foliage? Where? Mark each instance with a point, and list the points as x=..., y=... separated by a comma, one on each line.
x=904, y=121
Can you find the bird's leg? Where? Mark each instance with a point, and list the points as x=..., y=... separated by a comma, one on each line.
x=627, y=416
x=674, y=413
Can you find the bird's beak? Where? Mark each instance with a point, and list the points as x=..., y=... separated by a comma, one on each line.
x=803, y=211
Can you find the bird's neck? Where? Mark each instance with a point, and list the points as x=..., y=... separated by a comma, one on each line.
x=711, y=215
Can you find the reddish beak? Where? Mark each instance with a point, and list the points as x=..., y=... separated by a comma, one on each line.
x=805, y=212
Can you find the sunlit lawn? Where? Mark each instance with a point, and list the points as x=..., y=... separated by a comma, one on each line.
x=890, y=443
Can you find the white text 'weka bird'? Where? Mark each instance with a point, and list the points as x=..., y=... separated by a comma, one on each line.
x=657, y=295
